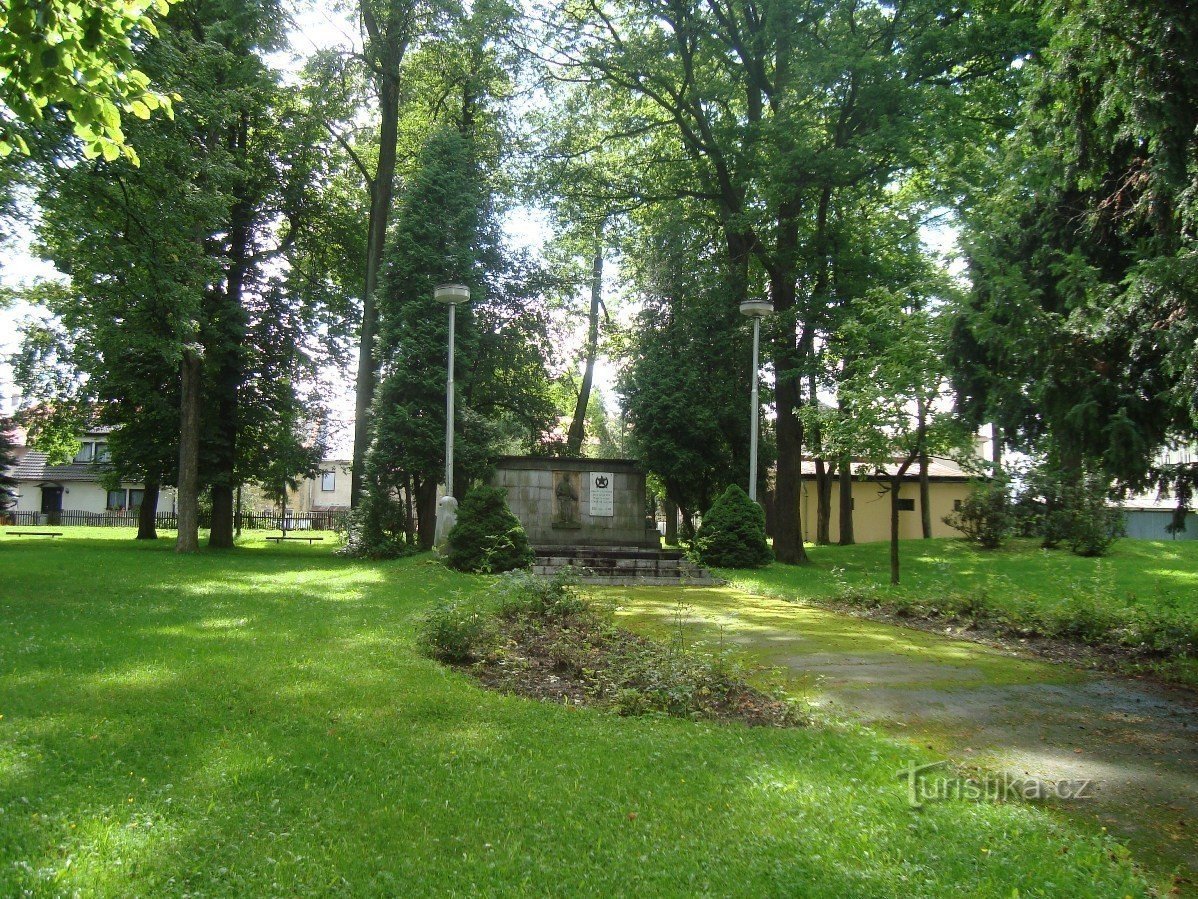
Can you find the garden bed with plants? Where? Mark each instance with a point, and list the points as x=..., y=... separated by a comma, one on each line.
x=544, y=639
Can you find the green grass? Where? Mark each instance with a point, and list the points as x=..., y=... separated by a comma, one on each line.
x=1143, y=595
x=257, y=722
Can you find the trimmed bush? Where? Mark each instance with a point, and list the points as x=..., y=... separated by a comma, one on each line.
x=985, y=515
x=487, y=537
x=733, y=533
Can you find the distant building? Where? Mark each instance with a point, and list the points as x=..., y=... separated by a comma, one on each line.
x=76, y=486
x=1148, y=516
x=948, y=485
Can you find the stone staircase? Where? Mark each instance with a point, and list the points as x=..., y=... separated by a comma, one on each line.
x=623, y=566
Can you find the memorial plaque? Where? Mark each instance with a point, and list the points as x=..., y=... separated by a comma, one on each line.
x=603, y=494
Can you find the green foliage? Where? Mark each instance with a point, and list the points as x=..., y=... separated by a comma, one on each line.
x=457, y=632
x=525, y=593
x=1070, y=508
x=732, y=534
x=487, y=537
x=77, y=58
x=985, y=515
x=1082, y=244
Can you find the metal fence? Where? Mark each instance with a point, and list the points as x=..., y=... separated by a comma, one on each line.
x=302, y=521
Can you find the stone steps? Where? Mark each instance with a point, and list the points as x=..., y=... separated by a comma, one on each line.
x=622, y=566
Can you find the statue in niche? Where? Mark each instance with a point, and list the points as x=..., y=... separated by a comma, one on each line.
x=566, y=495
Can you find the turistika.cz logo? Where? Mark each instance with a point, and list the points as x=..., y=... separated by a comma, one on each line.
x=933, y=783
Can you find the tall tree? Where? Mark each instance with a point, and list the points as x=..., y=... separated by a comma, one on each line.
x=1083, y=250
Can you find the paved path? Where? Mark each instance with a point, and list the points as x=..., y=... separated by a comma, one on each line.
x=1136, y=742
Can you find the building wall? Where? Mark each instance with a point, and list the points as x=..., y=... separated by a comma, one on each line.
x=306, y=497
x=80, y=496
x=1150, y=524
x=871, y=510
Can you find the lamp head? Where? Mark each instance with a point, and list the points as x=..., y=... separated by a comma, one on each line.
x=757, y=308
x=451, y=294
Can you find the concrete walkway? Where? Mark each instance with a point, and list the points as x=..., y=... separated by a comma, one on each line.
x=1136, y=742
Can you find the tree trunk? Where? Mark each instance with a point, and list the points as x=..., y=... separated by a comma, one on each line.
x=788, y=524
x=846, y=502
x=925, y=487
x=147, y=515
x=823, y=503
x=190, y=367
x=381, y=189
x=426, y=511
x=237, y=512
x=671, y=521
x=896, y=484
x=996, y=448
x=577, y=433
x=221, y=534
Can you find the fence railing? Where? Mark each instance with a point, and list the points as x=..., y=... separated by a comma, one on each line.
x=300, y=521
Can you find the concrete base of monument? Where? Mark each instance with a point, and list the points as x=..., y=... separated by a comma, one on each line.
x=623, y=566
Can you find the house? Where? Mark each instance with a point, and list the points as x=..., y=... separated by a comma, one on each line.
x=949, y=485
x=325, y=492
x=45, y=491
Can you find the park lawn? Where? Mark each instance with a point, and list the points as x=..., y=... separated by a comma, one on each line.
x=1143, y=591
x=257, y=722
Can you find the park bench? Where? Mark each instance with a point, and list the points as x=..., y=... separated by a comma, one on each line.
x=34, y=533
x=310, y=540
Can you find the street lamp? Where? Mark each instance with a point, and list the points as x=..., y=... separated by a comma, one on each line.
x=447, y=507
x=756, y=310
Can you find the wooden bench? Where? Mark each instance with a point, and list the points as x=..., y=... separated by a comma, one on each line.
x=310, y=540
x=34, y=533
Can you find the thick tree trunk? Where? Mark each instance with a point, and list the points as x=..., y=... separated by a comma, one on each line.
x=426, y=511
x=846, y=502
x=221, y=534
x=671, y=521
x=578, y=426
x=147, y=515
x=925, y=487
x=996, y=448
x=381, y=189
x=188, y=511
x=788, y=523
x=896, y=484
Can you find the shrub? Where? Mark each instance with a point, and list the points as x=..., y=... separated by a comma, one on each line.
x=457, y=632
x=984, y=516
x=559, y=596
x=1092, y=525
x=733, y=533
x=487, y=537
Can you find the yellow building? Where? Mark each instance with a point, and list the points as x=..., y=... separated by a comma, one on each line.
x=949, y=484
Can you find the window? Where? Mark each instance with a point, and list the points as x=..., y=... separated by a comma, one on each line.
x=101, y=452
x=116, y=501
x=135, y=498
x=956, y=505
x=328, y=481
x=906, y=505
x=87, y=452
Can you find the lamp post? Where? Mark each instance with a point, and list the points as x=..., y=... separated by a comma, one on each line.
x=447, y=507
x=756, y=310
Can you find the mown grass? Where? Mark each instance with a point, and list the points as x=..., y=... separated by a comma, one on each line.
x=258, y=722
x=1142, y=597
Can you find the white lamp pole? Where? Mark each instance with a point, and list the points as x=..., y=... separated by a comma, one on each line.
x=451, y=295
x=756, y=310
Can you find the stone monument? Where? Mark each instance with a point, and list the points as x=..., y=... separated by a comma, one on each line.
x=578, y=502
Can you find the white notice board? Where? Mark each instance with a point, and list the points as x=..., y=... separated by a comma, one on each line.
x=603, y=493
